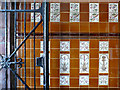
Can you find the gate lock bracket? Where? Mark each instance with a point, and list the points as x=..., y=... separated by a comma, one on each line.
x=39, y=61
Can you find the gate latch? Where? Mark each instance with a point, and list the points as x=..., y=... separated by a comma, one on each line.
x=39, y=61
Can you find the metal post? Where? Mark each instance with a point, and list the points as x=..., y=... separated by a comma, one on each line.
x=46, y=43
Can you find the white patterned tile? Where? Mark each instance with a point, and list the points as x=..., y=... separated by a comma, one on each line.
x=64, y=45
x=94, y=7
x=74, y=17
x=103, y=79
x=41, y=79
x=41, y=45
x=64, y=63
x=84, y=80
x=84, y=45
x=103, y=45
x=37, y=15
x=113, y=7
x=113, y=17
x=84, y=63
x=103, y=63
x=74, y=7
x=54, y=7
x=54, y=17
x=93, y=17
x=64, y=80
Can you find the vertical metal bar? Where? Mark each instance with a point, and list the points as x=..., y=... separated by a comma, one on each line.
x=6, y=40
x=25, y=42
x=34, y=52
x=15, y=16
x=46, y=43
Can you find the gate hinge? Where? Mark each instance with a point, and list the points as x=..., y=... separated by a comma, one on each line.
x=39, y=61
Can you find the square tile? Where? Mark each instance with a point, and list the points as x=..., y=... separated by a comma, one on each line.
x=94, y=7
x=41, y=45
x=113, y=17
x=84, y=80
x=103, y=63
x=113, y=7
x=84, y=45
x=84, y=63
x=64, y=63
x=37, y=15
x=64, y=80
x=54, y=7
x=74, y=7
x=93, y=17
x=64, y=45
x=54, y=17
x=41, y=79
x=103, y=45
x=103, y=79
x=74, y=17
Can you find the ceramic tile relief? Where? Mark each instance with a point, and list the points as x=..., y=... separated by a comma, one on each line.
x=93, y=12
x=84, y=80
x=37, y=15
x=64, y=80
x=103, y=63
x=41, y=45
x=84, y=63
x=64, y=63
x=103, y=79
x=41, y=80
x=64, y=45
x=74, y=12
x=103, y=45
x=113, y=12
x=54, y=12
x=84, y=45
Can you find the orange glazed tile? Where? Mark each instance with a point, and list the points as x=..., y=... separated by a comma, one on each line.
x=74, y=82
x=27, y=27
x=54, y=73
x=94, y=63
x=94, y=43
x=28, y=43
x=54, y=82
x=54, y=63
x=37, y=43
x=64, y=17
x=84, y=7
x=37, y=52
x=103, y=28
x=74, y=53
x=113, y=82
x=113, y=53
x=93, y=73
x=84, y=27
x=114, y=43
x=27, y=62
x=84, y=17
x=27, y=53
x=103, y=7
x=94, y=53
x=74, y=63
x=74, y=27
x=94, y=28
x=64, y=7
x=93, y=83
x=74, y=43
x=27, y=72
x=55, y=43
x=55, y=53
x=37, y=82
x=64, y=27
x=103, y=17
x=74, y=72
x=113, y=63
x=113, y=72
x=28, y=81
x=113, y=27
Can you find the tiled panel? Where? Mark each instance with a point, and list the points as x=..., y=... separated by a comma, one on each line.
x=103, y=79
x=103, y=45
x=37, y=15
x=103, y=63
x=113, y=12
x=93, y=12
x=84, y=45
x=64, y=63
x=64, y=45
x=74, y=12
x=64, y=80
x=41, y=80
x=84, y=63
x=54, y=12
x=84, y=80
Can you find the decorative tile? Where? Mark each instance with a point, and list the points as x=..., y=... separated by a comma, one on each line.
x=113, y=12
x=37, y=15
x=84, y=45
x=103, y=63
x=54, y=12
x=84, y=80
x=93, y=17
x=64, y=80
x=84, y=63
x=41, y=79
x=103, y=45
x=103, y=79
x=74, y=12
x=41, y=45
x=64, y=45
x=93, y=7
x=54, y=7
x=64, y=63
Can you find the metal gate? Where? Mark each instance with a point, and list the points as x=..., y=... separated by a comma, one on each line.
x=6, y=61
